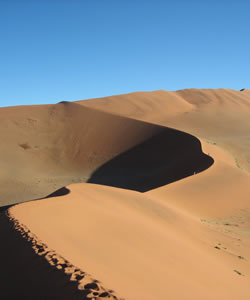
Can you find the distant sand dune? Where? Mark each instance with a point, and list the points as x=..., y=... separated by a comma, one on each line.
x=219, y=115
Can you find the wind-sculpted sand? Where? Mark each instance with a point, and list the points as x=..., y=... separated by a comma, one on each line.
x=70, y=143
x=74, y=282
x=147, y=192
x=220, y=116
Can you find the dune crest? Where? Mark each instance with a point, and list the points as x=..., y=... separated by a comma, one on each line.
x=88, y=287
x=218, y=115
x=139, y=244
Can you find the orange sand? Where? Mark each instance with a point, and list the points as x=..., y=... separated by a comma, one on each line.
x=159, y=244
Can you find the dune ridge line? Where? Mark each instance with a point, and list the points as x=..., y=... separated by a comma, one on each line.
x=91, y=288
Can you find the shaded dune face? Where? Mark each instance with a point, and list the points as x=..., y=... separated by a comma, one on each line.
x=60, y=192
x=72, y=143
x=164, y=158
x=217, y=115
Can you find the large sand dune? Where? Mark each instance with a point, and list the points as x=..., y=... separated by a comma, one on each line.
x=220, y=115
x=47, y=147
x=163, y=211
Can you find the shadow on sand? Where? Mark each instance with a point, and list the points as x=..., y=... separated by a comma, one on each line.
x=167, y=157
x=4, y=208
x=60, y=192
x=26, y=275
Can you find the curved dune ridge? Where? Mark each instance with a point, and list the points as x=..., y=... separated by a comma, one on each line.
x=65, y=282
x=147, y=192
x=217, y=115
x=54, y=145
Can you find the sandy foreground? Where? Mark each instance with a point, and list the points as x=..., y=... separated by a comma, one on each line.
x=156, y=198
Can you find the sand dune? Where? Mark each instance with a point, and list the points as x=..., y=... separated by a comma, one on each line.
x=163, y=211
x=51, y=146
x=148, y=106
x=220, y=115
x=55, y=145
x=223, y=190
x=141, y=247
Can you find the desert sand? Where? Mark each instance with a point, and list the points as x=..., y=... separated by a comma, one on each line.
x=141, y=196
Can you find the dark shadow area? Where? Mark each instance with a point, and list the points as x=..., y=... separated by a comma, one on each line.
x=64, y=102
x=4, y=208
x=167, y=157
x=24, y=274
x=27, y=275
x=60, y=192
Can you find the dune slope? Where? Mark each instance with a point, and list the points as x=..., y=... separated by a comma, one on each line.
x=163, y=211
x=220, y=116
x=47, y=147
x=140, y=245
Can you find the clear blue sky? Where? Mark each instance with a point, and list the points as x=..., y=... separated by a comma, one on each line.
x=54, y=50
